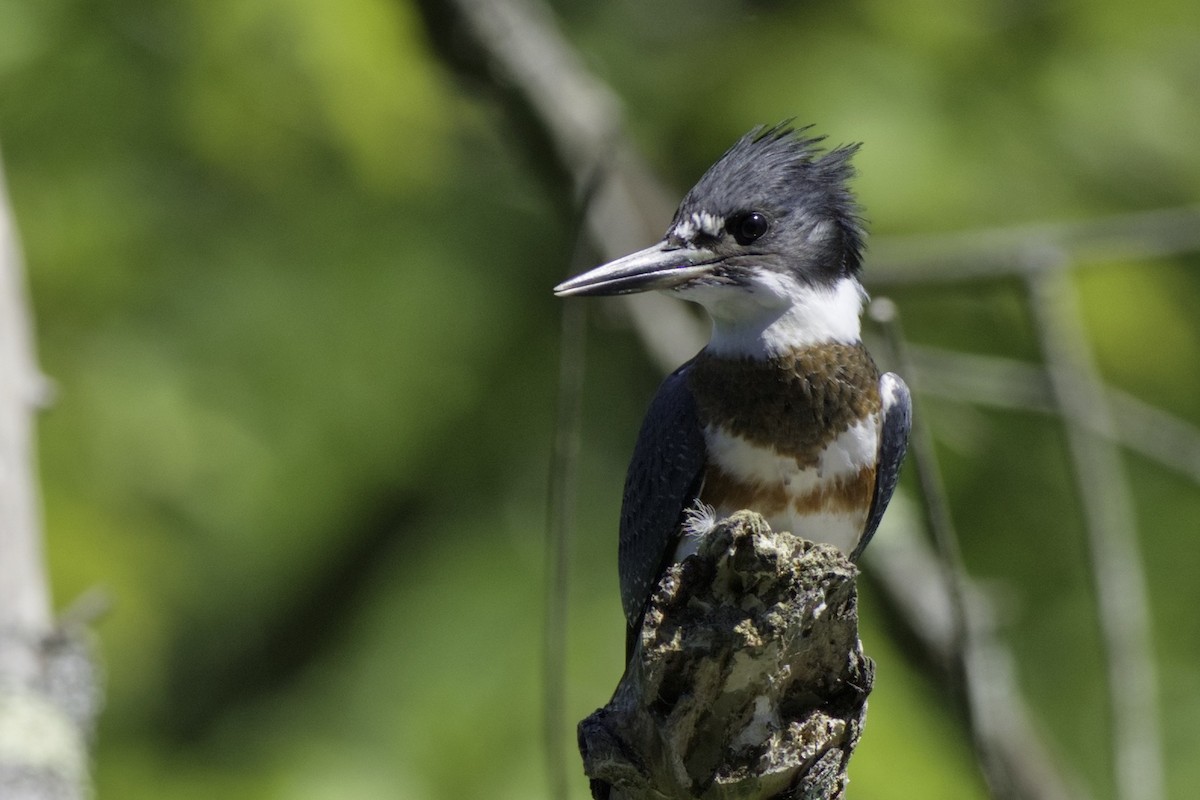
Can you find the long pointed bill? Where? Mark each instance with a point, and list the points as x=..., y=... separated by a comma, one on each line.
x=659, y=267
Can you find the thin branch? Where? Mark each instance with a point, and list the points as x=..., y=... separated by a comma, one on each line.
x=983, y=254
x=1118, y=574
x=937, y=503
x=997, y=382
x=582, y=117
x=563, y=484
x=908, y=572
x=1014, y=760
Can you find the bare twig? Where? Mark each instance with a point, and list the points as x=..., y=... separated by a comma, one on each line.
x=1117, y=571
x=1006, y=383
x=1007, y=746
x=973, y=255
x=933, y=494
x=908, y=572
x=563, y=485
x=582, y=117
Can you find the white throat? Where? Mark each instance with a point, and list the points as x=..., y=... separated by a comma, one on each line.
x=779, y=314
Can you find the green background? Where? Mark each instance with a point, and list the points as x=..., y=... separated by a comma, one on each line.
x=291, y=278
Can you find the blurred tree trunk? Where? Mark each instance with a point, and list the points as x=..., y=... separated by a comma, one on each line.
x=48, y=695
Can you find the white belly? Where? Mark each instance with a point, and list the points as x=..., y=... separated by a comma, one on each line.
x=785, y=489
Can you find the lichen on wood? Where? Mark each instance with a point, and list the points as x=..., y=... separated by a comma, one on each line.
x=748, y=680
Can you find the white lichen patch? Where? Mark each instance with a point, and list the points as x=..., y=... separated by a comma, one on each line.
x=763, y=722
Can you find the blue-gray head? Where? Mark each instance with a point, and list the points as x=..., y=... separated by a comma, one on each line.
x=769, y=241
x=773, y=203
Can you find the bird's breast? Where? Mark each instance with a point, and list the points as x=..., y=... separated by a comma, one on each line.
x=793, y=437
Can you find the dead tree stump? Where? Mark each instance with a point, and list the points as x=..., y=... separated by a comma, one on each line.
x=749, y=680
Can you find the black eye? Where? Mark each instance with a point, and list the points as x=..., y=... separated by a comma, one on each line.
x=747, y=227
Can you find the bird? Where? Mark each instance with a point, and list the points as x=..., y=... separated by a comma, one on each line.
x=783, y=411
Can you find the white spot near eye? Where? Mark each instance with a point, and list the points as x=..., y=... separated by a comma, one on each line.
x=699, y=222
x=711, y=224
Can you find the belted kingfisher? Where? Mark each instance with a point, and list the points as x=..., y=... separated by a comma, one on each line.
x=783, y=412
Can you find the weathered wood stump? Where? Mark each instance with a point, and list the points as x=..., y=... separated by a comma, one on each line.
x=748, y=681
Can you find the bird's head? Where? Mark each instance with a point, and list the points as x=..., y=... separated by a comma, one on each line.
x=771, y=221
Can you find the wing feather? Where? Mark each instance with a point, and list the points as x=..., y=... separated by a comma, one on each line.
x=663, y=480
x=893, y=442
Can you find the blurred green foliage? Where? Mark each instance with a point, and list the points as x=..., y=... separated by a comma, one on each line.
x=292, y=280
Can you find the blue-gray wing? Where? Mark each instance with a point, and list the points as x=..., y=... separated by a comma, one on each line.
x=663, y=480
x=896, y=414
